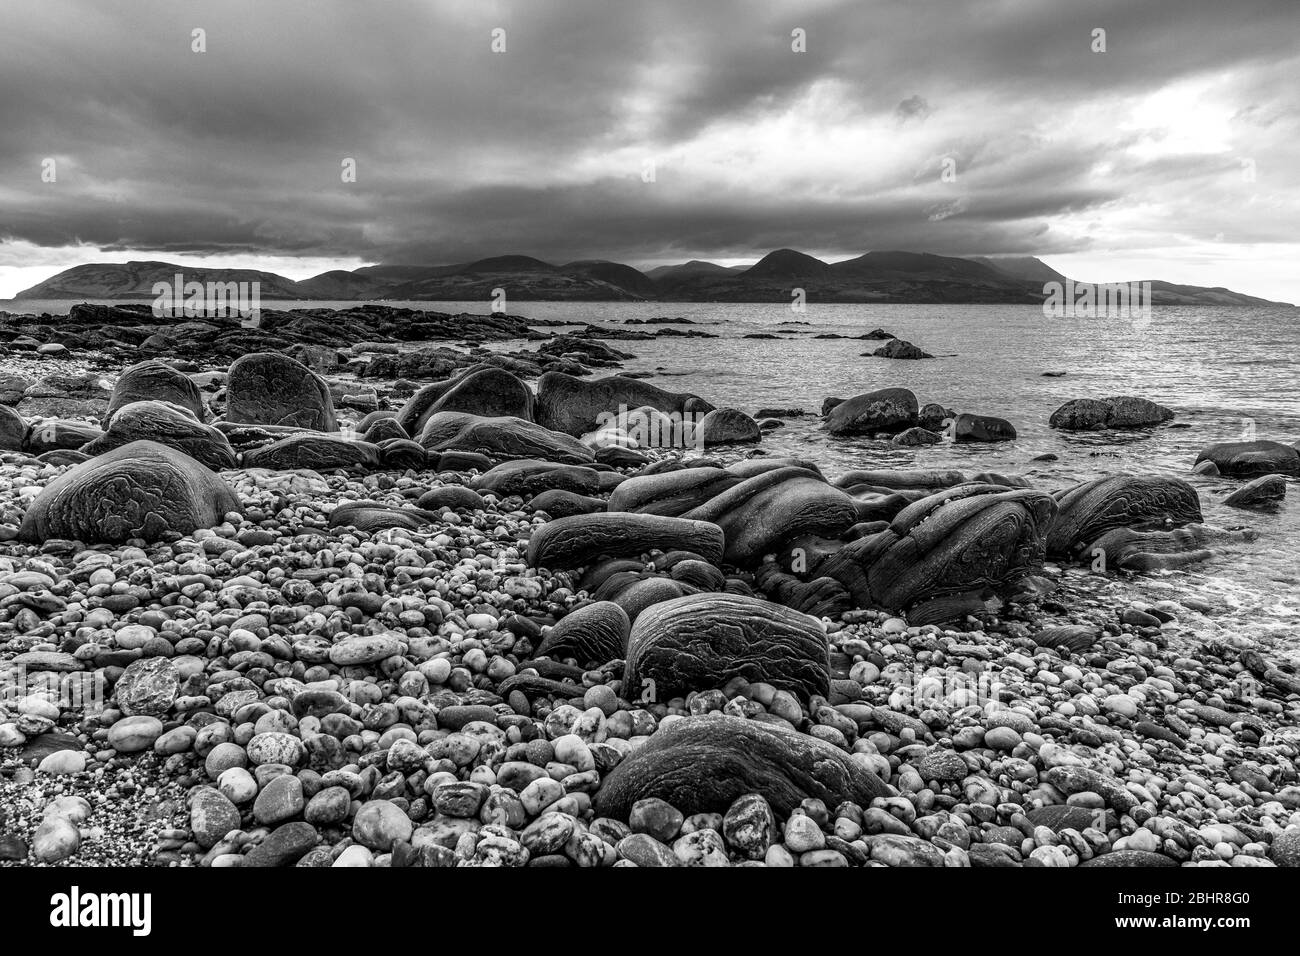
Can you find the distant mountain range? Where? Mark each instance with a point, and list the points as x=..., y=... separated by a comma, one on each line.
x=887, y=277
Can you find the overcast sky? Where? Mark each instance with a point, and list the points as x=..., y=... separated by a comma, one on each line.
x=1175, y=154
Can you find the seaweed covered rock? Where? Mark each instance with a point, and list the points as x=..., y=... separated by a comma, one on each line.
x=702, y=641
x=480, y=390
x=704, y=764
x=316, y=452
x=594, y=634
x=155, y=381
x=268, y=388
x=501, y=438
x=1250, y=459
x=581, y=539
x=1138, y=502
x=576, y=406
x=763, y=512
x=167, y=424
x=141, y=490
x=966, y=541
x=1096, y=414
x=888, y=410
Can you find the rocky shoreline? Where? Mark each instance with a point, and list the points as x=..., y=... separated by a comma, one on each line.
x=296, y=595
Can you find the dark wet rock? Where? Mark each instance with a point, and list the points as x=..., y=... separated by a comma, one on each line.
x=1136, y=502
x=283, y=846
x=13, y=429
x=1263, y=492
x=167, y=424
x=459, y=461
x=455, y=497
x=501, y=438
x=577, y=541
x=704, y=764
x=1150, y=550
x=381, y=429
x=889, y=410
x=765, y=511
x=982, y=428
x=724, y=426
x=141, y=490
x=267, y=388
x=1121, y=411
x=933, y=417
x=399, y=454
x=671, y=493
x=634, y=592
x=154, y=381
x=1250, y=459
x=820, y=597
x=63, y=456
x=1072, y=638
x=563, y=504
x=317, y=452
x=528, y=476
x=920, y=479
x=482, y=390
x=57, y=434
x=916, y=437
x=595, y=634
x=372, y=516
x=967, y=540
x=576, y=406
x=899, y=349
x=702, y=641
x=618, y=457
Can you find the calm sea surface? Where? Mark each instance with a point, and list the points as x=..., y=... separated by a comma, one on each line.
x=1223, y=372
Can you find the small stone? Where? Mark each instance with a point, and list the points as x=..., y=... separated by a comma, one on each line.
x=381, y=823
x=212, y=816
x=281, y=799
x=656, y=817
x=55, y=839
x=748, y=826
x=132, y=735
x=802, y=834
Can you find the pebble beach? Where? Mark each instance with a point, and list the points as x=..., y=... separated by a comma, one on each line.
x=316, y=594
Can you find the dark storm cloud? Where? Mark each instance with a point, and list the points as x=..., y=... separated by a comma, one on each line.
x=462, y=152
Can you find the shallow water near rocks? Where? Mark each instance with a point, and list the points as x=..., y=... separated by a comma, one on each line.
x=1223, y=371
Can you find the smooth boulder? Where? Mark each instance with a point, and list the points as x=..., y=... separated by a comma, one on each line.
x=703, y=641
x=1250, y=459
x=268, y=388
x=1138, y=502
x=141, y=490
x=155, y=381
x=890, y=410
x=501, y=438
x=581, y=539
x=704, y=764
x=167, y=424
x=1096, y=414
